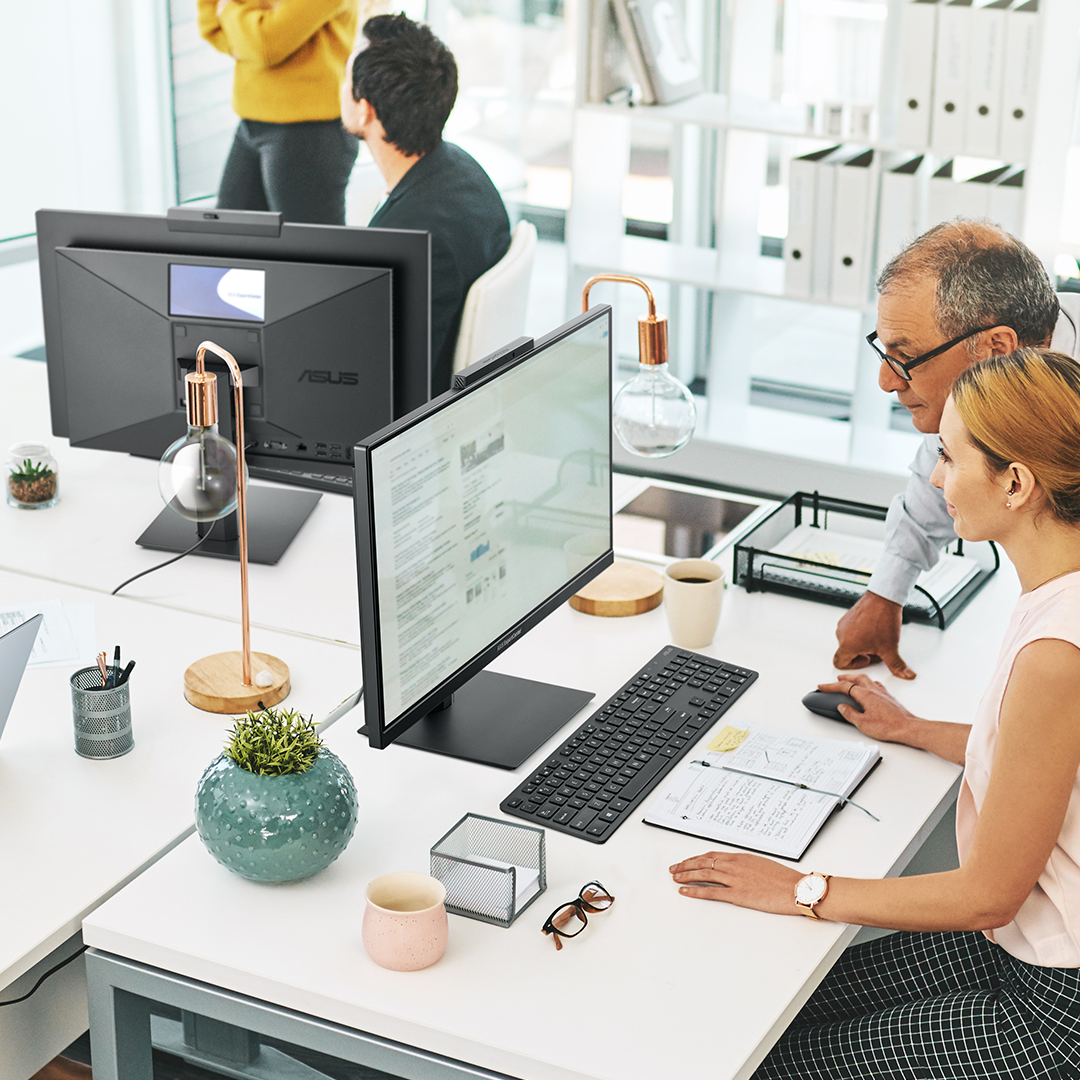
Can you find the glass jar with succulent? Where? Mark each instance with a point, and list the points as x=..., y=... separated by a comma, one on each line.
x=277, y=805
x=31, y=477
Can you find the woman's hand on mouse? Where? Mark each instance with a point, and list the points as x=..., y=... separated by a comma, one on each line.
x=883, y=717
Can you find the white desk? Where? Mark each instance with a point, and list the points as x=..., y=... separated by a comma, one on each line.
x=657, y=988
x=74, y=831
x=108, y=499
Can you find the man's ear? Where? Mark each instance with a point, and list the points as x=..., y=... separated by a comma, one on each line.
x=1001, y=340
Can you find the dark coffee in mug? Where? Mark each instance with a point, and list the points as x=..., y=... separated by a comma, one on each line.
x=696, y=580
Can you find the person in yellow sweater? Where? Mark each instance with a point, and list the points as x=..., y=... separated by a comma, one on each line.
x=290, y=152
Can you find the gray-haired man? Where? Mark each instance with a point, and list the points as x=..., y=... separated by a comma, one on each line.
x=960, y=292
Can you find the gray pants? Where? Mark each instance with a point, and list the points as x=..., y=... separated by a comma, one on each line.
x=299, y=169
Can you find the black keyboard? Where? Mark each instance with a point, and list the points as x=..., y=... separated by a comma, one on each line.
x=320, y=475
x=598, y=777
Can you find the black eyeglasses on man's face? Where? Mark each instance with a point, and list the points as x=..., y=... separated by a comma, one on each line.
x=904, y=369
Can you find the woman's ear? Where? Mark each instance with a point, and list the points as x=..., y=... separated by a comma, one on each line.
x=1020, y=486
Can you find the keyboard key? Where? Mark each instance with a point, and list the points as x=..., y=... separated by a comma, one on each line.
x=583, y=820
x=564, y=816
x=598, y=828
x=546, y=811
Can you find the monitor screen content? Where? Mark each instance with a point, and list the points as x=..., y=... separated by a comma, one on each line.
x=476, y=517
x=331, y=343
x=215, y=292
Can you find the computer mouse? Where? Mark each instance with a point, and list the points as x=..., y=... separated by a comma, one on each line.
x=824, y=703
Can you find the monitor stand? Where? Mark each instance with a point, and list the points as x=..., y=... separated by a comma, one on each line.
x=495, y=720
x=275, y=516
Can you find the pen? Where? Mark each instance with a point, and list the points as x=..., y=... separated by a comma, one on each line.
x=103, y=668
x=116, y=666
x=791, y=783
x=126, y=674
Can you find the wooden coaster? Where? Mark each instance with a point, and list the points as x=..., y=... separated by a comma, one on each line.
x=622, y=589
x=214, y=683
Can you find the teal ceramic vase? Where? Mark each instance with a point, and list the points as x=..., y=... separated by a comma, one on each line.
x=276, y=828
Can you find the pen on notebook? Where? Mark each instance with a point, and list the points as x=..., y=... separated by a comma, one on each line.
x=791, y=783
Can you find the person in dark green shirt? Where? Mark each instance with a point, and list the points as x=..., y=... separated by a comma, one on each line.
x=399, y=89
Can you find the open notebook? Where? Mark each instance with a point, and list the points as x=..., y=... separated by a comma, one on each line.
x=750, y=796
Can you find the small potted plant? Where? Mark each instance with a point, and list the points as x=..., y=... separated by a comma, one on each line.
x=276, y=805
x=31, y=477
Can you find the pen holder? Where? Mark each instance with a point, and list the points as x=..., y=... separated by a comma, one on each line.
x=102, y=716
x=492, y=870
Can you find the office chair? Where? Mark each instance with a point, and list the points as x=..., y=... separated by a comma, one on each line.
x=494, y=310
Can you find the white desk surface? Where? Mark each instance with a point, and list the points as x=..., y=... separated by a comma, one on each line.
x=72, y=830
x=106, y=501
x=660, y=986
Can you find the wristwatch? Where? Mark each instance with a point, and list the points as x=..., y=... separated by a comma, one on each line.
x=811, y=890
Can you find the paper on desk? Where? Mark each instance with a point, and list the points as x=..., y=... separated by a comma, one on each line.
x=465, y=888
x=59, y=643
x=830, y=548
x=705, y=797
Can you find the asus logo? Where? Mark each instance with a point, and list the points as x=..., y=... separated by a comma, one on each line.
x=337, y=378
x=508, y=640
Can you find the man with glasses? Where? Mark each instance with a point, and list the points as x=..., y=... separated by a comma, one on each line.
x=960, y=292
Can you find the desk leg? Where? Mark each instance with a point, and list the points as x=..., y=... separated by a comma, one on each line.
x=119, y=1027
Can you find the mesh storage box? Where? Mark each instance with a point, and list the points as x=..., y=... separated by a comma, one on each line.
x=492, y=870
x=761, y=564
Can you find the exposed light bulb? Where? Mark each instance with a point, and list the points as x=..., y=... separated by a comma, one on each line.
x=197, y=475
x=653, y=413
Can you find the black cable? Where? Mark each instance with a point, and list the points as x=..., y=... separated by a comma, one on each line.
x=167, y=562
x=51, y=971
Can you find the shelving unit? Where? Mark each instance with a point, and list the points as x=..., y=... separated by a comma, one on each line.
x=723, y=145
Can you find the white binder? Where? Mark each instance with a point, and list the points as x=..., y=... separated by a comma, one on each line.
x=824, y=203
x=948, y=198
x=918, y=22
x=986, y=66
x=898, y=209
x=1007, y=201
x=852, y=237
x=799, y=245
x=1019, y=82
x=954, y=23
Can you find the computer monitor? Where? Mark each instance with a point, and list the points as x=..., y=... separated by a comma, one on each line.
x=329, y=324
x=476, y=516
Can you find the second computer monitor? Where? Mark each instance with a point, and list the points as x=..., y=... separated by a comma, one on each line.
x=477, y=516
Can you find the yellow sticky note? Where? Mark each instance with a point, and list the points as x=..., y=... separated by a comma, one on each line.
x=729, y=738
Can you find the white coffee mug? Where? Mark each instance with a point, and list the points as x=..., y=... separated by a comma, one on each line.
x=693, y=591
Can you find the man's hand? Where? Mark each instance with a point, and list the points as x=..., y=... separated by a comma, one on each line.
x=869, y=632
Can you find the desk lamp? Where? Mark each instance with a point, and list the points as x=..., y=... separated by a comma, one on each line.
x=203, y=477
x=653, y=414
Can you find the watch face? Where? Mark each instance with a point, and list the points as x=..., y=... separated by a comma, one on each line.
x=810, y=889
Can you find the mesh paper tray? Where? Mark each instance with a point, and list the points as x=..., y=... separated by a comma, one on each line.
x=759, y=568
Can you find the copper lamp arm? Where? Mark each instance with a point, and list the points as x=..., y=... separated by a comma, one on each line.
x=652, y=328
x=241, y=482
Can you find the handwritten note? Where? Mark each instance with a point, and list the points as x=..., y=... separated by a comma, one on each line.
x=728, y=738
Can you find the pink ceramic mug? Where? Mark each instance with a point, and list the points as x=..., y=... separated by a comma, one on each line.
x=405, y=921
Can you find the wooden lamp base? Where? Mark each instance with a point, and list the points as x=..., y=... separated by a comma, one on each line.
x=622, y=589
x=215, y=684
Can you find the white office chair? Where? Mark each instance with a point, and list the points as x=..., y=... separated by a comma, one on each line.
x=494, y=312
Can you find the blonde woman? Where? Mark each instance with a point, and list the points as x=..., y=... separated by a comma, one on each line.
x=985, y=980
